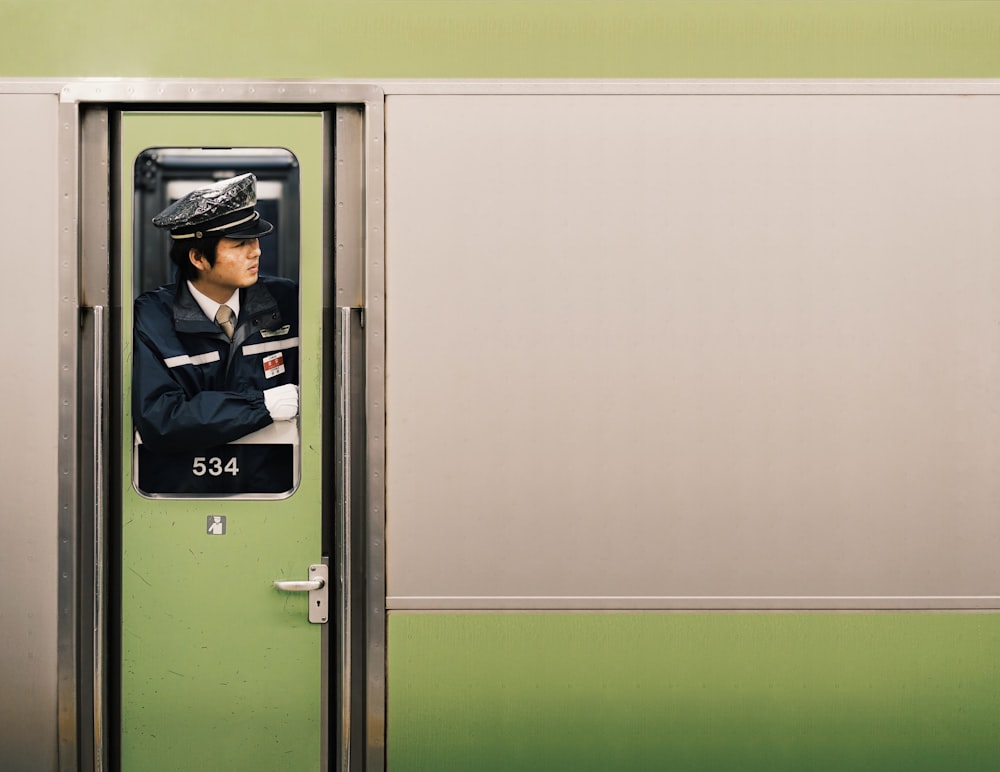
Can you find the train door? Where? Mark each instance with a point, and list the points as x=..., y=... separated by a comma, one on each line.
x=236, y=633
x=221, y=669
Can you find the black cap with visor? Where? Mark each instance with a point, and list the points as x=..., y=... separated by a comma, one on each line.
x=222, y=209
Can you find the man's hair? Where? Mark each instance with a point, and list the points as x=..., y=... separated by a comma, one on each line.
x=180, y=248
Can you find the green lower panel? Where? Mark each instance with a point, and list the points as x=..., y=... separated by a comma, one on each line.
x=637, y=691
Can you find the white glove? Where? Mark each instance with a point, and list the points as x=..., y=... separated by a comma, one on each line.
x=282, y=402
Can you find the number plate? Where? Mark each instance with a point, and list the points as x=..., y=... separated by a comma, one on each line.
x=223, y=470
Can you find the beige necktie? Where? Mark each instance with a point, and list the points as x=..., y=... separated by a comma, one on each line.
x=224, y=317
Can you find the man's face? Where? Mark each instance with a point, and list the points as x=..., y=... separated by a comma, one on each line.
x=236, y=264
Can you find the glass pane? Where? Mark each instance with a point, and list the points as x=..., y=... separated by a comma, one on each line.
x=215, y=401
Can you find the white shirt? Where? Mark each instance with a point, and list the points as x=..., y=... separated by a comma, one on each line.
x=210, y=307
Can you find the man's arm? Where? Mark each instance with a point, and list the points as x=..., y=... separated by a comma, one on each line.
x=168, y=419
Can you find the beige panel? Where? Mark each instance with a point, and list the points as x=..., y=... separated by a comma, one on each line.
x=743, y=349
x=29, y=412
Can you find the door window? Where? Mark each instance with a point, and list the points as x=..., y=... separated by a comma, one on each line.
x=215, y=403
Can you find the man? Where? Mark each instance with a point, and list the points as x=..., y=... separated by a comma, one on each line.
x=216, y=354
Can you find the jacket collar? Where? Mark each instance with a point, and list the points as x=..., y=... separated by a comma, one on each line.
x=257, y=307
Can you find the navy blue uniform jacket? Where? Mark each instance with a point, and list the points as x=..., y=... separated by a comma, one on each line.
x=193, y=388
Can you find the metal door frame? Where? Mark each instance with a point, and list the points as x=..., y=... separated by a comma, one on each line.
x=89, y=115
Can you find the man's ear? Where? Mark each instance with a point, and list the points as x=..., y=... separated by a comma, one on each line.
x=198, y=260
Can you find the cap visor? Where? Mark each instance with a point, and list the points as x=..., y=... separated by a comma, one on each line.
x=251, y=230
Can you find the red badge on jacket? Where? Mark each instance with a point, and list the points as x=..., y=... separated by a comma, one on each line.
x=274, y=365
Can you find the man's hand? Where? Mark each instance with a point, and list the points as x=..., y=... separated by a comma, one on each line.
x=282, y=402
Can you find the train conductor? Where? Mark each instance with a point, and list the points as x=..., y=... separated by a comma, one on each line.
x=216, y=354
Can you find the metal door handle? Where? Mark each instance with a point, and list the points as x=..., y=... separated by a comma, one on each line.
x=317, y=589
x=305, y=585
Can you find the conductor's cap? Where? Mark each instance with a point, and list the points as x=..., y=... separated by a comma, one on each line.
x=224, y=208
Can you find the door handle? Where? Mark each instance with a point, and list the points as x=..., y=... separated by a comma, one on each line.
x=303, y=585
x=317, y=589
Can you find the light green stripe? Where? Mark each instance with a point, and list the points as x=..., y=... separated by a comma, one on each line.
x=502, y=38
x=852, y=691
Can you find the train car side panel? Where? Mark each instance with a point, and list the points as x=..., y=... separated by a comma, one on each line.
x=29, y=415
x=707, y=351
x=659, y=353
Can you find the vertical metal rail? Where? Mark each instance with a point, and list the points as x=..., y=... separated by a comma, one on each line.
x=374, y=321
x=353, y=205
x=68, y=631
x=99, y=594
x=350, y=537
x=91, y=438
x=359, y=266
x=343, y=537
x=375, y=446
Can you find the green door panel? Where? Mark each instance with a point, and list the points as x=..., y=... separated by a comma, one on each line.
x=220, y=671
x=693, y=691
